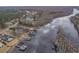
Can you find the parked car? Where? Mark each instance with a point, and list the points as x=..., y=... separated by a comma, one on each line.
x=32, y=33
x=26, y=38
x=23, y=47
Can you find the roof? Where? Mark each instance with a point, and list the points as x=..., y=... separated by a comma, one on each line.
x=6, y=37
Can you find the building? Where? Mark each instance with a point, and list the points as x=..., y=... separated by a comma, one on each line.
x=7, y=38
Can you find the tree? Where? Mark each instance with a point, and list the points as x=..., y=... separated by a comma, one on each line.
x=63, y=44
